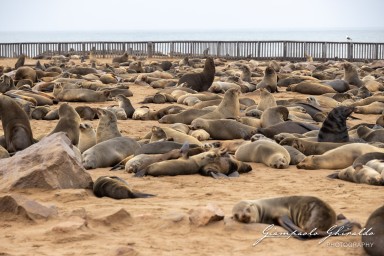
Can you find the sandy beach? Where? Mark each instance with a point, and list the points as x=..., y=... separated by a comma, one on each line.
x=87, y=225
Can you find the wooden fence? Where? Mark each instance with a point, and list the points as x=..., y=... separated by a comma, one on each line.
x=281, y=50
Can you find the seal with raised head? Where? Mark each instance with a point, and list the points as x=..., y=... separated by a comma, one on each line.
x=228, y=108
x=351, y=76
x=120, y=59
x=269, y=81
x=107, y=126
x=69, y=122
x=200, y=81
x=125, y=104
x=116, y=188
x=108, y=153
x=334, y=128
x=338, y=158
x=308, y=215
x=87, y=138
x=266, y=100
x=373, y=244
x=274, y=115
x=264, y=151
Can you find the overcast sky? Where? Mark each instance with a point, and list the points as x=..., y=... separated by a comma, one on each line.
x=80, y=15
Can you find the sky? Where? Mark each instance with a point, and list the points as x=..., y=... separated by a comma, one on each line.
x=178, y=15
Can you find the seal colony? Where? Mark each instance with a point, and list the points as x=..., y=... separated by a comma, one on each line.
x=305, y=126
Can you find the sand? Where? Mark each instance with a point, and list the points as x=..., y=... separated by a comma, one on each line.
x=160, y=225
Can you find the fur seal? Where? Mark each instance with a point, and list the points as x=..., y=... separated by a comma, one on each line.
x=3, y=153
x=364, y=159
x=310, y=87
x=228, y=108
x=288, y=127
x=264, y=151
x=360, y=174
x=370, y=135
x=266, y=100
x=373, y=244
x=16, y=126
x=181, y=166
x=86, y=112
x=200, y=81
x=125, y=104
x=6, y=84
x=302, y=214
x=25, y=73
x=116, y=188
x=269, y=81
x=334, y=128
x=310, y=147
x=351, y=76
x=79, y=95
x=177, y=136
x=120, y=59
x=185, y=117
x=296, y=155
x=226, y=166
x=87, y=138
x=200, y=134
x=274, y=115
x=337, y=84
x=161, y=147
x=20, y=61
x=107, y=126
x=38, y=113
x=372, y=108
x=82, y=71
x=109, y=152
x=246, y=73
x=338, y=158
x=224, y=129
x=69, y=122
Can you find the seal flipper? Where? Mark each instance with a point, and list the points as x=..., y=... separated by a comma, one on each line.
x=118, y=166
x=334, y=175
x=141, y=195
x=235, y=174
x=217, y=175
x=291, y=227
x=140, y=173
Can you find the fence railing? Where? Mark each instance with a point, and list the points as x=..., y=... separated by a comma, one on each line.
x=282, y=50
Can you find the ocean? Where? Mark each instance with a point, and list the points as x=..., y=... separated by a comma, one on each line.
x=336, y=35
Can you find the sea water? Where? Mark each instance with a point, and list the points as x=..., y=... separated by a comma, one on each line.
x=334, y=35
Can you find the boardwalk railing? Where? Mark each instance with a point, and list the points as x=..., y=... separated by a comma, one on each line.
x=282, y=50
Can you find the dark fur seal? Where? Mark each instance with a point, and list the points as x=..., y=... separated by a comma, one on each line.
x=116, y=188
x=16, y=126
x=226, y=166
x=363, y=159
x=289, y=127
x=200, y=81
x=373, y=244
x=303, y=214
x=334, y=128
x=20, y=61
x=310, y=147
x=337, y=84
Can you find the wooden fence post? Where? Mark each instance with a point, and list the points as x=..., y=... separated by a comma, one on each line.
x=149, y=49
x=350, y=51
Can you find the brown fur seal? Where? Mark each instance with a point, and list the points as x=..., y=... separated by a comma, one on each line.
x=372, y=108
x=120, y=59
x=246, y=73
x=107, y=126
x=185, y=117
x=274, y=115
x=86, y=112
x=79, y=95
x=373, y=244
x=82, y=71
x=309, y=87
x=125, y=104
x=38, y=113
x=269, y=81
x=161, y=147
x=351, y=76
x=116, y=188
x=334, y=128
x=337, y=84
x=288, y=127
x=25, y=73
x=181, y=166
x=310, y=147
x=364, y=159
x=266, y=100
x=296, y=155
x=20, y=61
x=228, y=108
x=16, y=126
x=109, y=152
x=69, y=122
x=6, y=84
x=200, y=81
x=370, y=135
x=225, y=166
x=224, y=129
x=338, y=158
x=158, y=133
x=264, y=151
x=308, y=215
x=360, y=174
x=87, y=138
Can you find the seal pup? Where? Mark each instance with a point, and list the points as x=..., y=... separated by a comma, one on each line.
x=116, y=188
x=200, y=81
x=338, y=158
x=364, y=159
x=125, y=104
x=226, y=166
x=269, y=81
x=360, y=174
x=107, y=126
x=351, y=76
x=302, y=214
x=16, y=125
x=87, y=138
x=334, y=128
x=373, y=244
x=108, y=153
x=264, y=151
x=69, y=122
